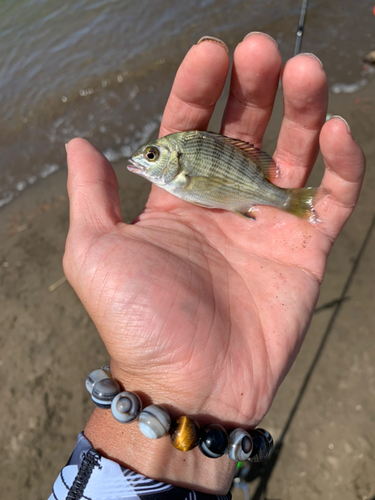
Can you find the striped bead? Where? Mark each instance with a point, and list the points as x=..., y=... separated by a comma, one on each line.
x=154, y=421
x=95, y=376
x=126, y=407
x=184, y=433
x=213, y=441
x=104, y=391
x=268, y=436
x=262, y=445
x=240, y=445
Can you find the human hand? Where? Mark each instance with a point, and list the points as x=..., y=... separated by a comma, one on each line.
x=202, y=310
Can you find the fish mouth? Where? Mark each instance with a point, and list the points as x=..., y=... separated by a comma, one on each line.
x=134, y=167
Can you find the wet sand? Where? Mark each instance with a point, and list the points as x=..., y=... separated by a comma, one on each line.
x=49, y=345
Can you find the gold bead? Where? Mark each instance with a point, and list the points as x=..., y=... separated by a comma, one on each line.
x=184, y=433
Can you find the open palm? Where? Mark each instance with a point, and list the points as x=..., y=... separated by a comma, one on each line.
x=203, y=310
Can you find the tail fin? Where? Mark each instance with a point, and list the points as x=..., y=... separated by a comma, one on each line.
x=301, y=202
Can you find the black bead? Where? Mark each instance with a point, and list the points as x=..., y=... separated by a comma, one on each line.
x=262, y=445
x=213, y=441
x=268, y=437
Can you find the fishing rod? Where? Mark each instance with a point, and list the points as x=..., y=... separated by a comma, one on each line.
x=301, y=27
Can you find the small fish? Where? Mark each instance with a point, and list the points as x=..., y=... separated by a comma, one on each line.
x=214, y=171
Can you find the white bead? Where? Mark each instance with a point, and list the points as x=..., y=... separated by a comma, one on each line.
x=154, y=421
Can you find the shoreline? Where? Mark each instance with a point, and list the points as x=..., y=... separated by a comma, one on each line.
x=340, y=94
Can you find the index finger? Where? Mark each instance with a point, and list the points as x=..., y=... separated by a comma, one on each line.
x=198, y=85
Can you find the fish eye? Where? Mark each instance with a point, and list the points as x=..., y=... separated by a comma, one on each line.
x=152, y=153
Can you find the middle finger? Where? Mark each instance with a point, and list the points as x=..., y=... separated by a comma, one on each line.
x=255, y=77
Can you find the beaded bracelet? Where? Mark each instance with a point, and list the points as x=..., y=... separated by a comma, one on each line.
x=185, y=433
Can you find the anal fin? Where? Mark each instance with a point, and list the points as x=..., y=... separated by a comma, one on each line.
x=248, y=213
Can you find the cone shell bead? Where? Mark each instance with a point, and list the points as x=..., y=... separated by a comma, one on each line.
x=154, y=421
x=240, y=445
x=126, y=407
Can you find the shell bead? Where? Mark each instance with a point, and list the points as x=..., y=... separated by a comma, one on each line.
x=213, y=441
x=240, y=445
x=184, y=433
x=262, y=445
x=104, y=391
x=95, y=376
x=154, y=421
x=126, y=407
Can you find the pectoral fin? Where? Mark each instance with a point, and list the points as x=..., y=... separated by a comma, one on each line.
x=172, y=168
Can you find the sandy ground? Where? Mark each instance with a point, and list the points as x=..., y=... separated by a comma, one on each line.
x=324, y=414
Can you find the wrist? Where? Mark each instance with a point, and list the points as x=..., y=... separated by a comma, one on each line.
x=158, y=459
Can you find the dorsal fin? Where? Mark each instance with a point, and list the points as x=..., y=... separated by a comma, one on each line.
x=260, y=158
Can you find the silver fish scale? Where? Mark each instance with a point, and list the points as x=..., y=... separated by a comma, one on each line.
x=242, y=183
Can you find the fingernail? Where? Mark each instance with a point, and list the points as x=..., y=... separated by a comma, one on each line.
x=213, y=39
x=341, y=118
x=66, y=147
x=310, y=54
x=260, y=33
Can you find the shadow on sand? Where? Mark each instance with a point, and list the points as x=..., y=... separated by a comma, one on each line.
x=263, y=471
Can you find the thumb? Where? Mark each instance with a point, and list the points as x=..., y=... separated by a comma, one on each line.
x=92, y=189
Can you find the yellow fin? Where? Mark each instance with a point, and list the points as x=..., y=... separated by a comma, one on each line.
x=301, y=202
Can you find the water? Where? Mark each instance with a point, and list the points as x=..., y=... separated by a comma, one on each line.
x=102, y=69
